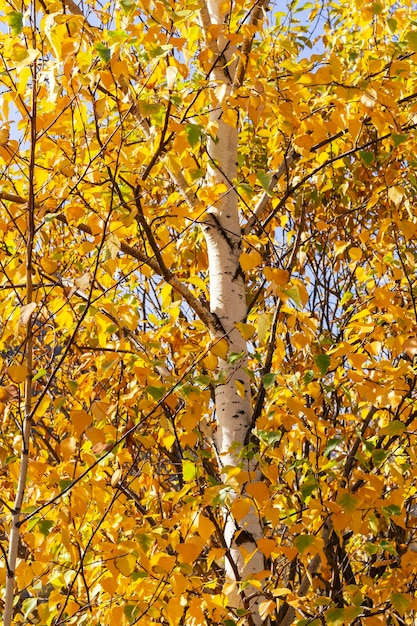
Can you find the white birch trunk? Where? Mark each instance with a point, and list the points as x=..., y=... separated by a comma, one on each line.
x=228, y=303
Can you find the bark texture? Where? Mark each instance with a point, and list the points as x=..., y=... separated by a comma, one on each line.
x=228, y=304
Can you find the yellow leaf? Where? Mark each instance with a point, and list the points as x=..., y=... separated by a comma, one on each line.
x=48, y=265
x=240, y=388
x=282, y=591
x=174, y=611
x=340, y=246
x=210, y=362
x=267, y=546
x=396, y=194
x=126, y=564
x=17, y=373
x=246, y=330
x=240, y=508
x=43, y=407
x=278, y=277
x=117, y=474
x=81, y=420
x=171, y=75
x=189, y=551
x=83, y=282
x=205, y=527
x=250, y=260
x=213, y=555
x=259, y=491
x=109, y=584
x=220, y=348
x=164, y=562
x=357, y=360
x=264, y=324
x=369, y=99
x=266, y=608
x=68, y=447
x=355, y=254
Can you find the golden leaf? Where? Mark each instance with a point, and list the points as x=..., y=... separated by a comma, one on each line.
x=17, y=373
x=267, y=608
x=4, y=135
x=126, y=564
x=220, y=348
x=410, y=347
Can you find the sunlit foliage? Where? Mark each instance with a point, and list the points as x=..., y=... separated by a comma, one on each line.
x=107, y=362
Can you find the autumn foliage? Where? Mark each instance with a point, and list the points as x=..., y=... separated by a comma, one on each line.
x=113, y=495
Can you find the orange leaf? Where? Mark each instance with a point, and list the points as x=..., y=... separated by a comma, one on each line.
x=17, y=373
x=8, y=393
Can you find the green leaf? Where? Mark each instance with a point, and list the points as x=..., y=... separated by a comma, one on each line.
x=308, y=486
x=348, y=295
x=28, y=606
x=145, y=541
x=348, y=501
x=103, y=52
x=39, y=374
x=391, y=509
x=139, y=575
x=127, y=6
x=158, y=52
x=323, y=363
x=45, y=526
x=73, y=386
x=15, y=20
x=367, y=157
x=64, y=483
x=411, y=39
x=294, y=294
x=269, y=379
x=379, y=456
x=131, y=612
x=308, y=376
x=392, y=24
x=235, y=357
x=156, y=392
x=335, y=617
x=229, y=622
x=193, y=132
x=331, y=445
x=397, y=139
x=371, y=548
x=388, y=547
x=400, y=602
x=302, y=542
x=265, y=180
x=196, y=174
x=396, y=427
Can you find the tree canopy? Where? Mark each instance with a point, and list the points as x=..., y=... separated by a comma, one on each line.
x=208, y=312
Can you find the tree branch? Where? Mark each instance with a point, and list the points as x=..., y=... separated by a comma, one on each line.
x=244, y=52
x=318, y=169
x=289, y=158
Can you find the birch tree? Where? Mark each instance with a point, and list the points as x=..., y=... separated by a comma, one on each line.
x=208, y=316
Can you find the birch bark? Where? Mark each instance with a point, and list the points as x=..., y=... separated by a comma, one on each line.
x=228, y=303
